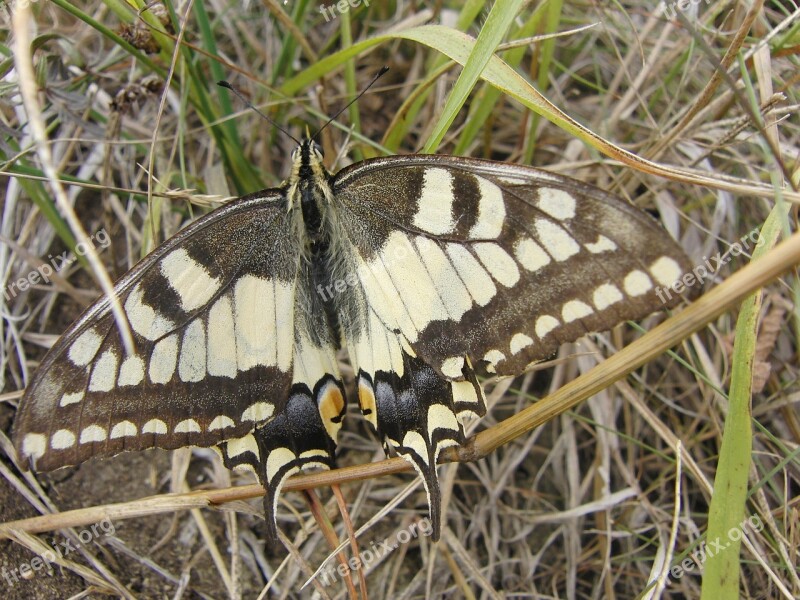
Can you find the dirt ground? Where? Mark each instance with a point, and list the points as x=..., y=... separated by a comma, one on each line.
x=175, y=545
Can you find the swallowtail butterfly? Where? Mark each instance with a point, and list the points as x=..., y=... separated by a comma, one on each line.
x=429, y=269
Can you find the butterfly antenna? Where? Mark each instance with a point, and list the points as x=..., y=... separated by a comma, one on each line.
x=361, y=93
x=249, y=104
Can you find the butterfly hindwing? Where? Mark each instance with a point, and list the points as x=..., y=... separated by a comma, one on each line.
x=418, y=416
x=302, y=435
x=213, y=317
x=415, y=411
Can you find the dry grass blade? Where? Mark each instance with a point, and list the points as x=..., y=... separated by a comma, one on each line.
x=96, y=575
x=24, y=63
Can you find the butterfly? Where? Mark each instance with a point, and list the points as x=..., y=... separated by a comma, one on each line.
x=431, y=271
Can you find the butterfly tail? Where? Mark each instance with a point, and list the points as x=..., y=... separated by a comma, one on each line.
x=294, y=440
x=417, y=413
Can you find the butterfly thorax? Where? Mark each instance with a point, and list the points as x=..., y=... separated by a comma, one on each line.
x=309, y=189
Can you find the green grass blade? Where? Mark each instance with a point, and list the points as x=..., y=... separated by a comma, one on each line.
x=407, y=114
x=727, y=510
x=226, y=134
x=553, y=14
x=350, y=82
x=491, y=95
x=494, y=30
x=458, y=47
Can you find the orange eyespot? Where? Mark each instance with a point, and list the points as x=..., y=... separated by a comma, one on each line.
x=331, y=407
x=367, y=402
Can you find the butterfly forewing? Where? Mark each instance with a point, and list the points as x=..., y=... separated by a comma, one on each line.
x=214, y=320
x=464, y=262
x=498, y=263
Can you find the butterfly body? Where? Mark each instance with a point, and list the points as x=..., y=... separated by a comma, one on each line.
x=428, y=269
